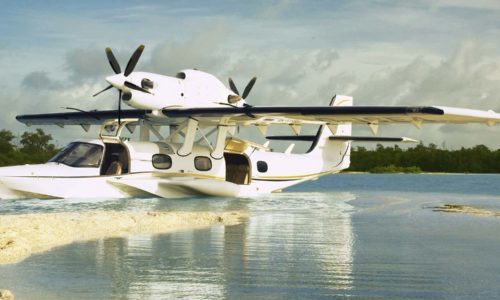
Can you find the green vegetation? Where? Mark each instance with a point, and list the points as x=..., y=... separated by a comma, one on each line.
x=37, y=147
x=395, y=169
x=421, y=158
x=32, y=148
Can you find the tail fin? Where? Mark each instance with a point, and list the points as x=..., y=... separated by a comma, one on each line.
x=335, y=153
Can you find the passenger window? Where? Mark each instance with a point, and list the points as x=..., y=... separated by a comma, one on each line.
x=262, y=166
x=202, y=163
x=161, y=161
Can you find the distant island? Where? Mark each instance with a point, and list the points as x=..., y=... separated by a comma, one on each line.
x=422, y=158
x=38, y=147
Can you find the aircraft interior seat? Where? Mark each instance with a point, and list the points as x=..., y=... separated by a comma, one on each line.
x=115, y=168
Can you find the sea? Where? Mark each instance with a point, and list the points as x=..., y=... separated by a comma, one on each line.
x=345, y=236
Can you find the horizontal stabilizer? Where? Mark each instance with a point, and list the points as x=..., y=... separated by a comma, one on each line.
x=311, y=138
x=304, y=138
x=402, y=139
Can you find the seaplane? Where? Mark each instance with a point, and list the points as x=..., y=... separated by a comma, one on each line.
x=184, y=140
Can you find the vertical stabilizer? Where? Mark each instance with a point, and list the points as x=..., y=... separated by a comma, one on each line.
x=336, y=154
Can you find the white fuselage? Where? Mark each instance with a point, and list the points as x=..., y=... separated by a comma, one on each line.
x=112, y=167
x=155, y=169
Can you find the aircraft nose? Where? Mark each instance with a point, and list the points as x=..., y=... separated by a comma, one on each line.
x=116, y=80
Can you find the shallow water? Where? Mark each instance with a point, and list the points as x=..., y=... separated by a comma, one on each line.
x=343, y=236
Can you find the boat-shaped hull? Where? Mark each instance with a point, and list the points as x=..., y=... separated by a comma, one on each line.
x=123, y=186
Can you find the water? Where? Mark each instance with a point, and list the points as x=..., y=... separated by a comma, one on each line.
x=343, y=236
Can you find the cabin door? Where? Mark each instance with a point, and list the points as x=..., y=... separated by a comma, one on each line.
x=116, y=160
x=237, y=168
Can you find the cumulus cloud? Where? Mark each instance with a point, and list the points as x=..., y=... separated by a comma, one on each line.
x=87, y=63
x=274, y=9
x=467, y=78
x=478, y=4
x=201, y=50
x=38, y=80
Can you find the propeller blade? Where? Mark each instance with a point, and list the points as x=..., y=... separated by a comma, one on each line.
x=135, y=87
x=133, y=60
x=112, y=61
x=119, y=107
x=233, y=87
x=249, y=87
x=105, y=89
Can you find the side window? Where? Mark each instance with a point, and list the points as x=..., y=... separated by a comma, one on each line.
x=262, y=166
x=202, y=163
x=161, y=161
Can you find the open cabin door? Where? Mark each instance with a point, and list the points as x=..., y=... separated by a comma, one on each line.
x=116, y=160
x=237, y=168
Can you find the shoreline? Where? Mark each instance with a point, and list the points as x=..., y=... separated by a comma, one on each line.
x=24, y=235
x=419, y=173
x=467, y=209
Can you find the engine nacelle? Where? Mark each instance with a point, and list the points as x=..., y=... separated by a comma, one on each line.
x=190, y=88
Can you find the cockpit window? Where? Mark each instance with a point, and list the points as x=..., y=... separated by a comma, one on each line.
x=80, y=155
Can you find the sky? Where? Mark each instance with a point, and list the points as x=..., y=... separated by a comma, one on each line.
x=420, y=52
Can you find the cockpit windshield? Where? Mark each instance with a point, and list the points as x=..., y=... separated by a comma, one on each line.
x=79, y=154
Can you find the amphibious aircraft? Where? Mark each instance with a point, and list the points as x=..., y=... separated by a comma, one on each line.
x=202, y=153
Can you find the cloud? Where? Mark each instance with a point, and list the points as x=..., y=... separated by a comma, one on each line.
x=201, y=50
x=286, y=76
x=87, y=63
x=478, y=4
x=468, y=78
x=274, y=9
x=37, y=80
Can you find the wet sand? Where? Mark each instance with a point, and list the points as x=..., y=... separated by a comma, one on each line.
x=467, y=209
x=27, y=234
x=6, y=295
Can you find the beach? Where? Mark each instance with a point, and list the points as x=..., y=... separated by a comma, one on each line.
x=26, y=234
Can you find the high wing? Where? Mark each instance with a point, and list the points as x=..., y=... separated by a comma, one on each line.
x=267, y=115
x=93, y=117
x=336, y=114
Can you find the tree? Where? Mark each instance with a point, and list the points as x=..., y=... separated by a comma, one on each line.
x=36, y=147
x=37, y=142
x=6, y=138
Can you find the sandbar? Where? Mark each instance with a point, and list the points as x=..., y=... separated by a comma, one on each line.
x=27, y=234
x=467, y=209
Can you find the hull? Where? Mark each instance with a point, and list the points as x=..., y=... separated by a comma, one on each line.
x=124, y=186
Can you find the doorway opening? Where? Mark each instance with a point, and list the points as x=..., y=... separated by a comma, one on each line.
x=237, y=168
x=116, y=160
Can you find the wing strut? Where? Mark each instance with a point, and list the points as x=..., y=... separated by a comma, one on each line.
x=218, y=152
x=187, y=147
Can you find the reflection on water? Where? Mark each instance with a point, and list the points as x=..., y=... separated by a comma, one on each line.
x=278, y=252
x=292, y=244
x=318, y=244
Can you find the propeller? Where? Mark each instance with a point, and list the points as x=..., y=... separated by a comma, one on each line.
x=135, y=87
x=249, y=87
x=233, y=86
x=246, y=91
x=112, y=61
x=105, y=89
x=132, y=62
